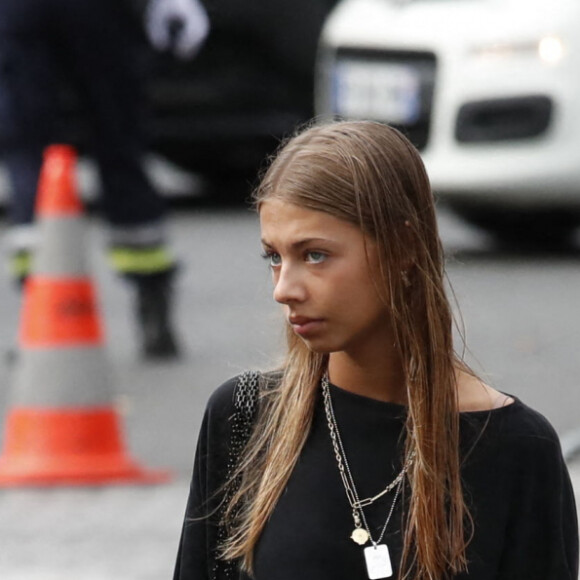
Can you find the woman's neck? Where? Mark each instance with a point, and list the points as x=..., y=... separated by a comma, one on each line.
x=381, y=379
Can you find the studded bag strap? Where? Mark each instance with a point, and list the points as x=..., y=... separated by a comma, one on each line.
x=246, y=395
x=246, y=401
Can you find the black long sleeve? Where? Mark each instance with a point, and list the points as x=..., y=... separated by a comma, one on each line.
x=541, y=539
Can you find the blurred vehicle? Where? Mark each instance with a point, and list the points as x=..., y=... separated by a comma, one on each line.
x=252, y=83
x=488, y=90
x=222, y=113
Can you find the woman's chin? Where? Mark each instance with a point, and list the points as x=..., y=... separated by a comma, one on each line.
x=319, y=346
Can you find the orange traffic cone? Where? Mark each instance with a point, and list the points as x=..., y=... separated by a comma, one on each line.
x=62, y=428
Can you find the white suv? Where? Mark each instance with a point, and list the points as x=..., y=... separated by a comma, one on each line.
x=488, y=90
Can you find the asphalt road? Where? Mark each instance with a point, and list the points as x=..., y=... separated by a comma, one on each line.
x=522, y=323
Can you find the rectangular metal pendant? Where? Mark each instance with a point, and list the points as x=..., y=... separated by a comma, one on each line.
x=378, y=562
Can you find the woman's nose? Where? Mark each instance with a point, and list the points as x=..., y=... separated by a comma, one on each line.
x=288, y=286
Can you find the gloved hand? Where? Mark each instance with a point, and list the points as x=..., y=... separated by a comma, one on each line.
x=180, y=26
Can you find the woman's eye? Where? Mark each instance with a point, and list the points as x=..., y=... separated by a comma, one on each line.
x=272, y=258
x=316, y=257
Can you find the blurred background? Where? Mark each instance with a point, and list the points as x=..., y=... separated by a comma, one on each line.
x=486, y=90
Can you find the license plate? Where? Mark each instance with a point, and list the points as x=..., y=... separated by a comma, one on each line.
x=380, y=91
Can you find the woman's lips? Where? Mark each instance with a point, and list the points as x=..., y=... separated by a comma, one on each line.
x=303, y=326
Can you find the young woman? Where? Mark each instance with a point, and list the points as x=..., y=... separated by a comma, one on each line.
x=374, y=452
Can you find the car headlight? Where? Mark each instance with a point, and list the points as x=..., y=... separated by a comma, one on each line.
x=549, y=49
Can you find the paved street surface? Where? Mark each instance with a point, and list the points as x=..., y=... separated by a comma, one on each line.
x=522, y=321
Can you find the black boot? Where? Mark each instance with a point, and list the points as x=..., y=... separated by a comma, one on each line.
x=154, y=302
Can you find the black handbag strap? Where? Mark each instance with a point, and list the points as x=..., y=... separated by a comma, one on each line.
x=246, y=397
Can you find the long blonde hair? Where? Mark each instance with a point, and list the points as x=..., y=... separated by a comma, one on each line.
x=368, y=174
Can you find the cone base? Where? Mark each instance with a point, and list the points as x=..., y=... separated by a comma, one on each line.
x=68, y=447
x=66, y=471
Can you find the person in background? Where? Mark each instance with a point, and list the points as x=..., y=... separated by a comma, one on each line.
x=89, y=47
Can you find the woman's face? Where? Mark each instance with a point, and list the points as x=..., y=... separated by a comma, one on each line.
x=324, y=271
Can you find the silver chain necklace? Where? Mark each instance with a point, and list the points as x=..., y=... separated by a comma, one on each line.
x=377, y=556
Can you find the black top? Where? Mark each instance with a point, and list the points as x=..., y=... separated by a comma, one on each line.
x=515, y=481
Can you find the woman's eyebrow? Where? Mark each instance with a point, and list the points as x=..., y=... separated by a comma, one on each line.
x=300, y=243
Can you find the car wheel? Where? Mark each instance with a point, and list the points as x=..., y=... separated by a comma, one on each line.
x=542, y=228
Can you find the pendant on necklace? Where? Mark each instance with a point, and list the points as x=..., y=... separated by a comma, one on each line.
x=378, y=562
x=360, y=536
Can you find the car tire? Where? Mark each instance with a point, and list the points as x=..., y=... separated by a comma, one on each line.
x=522, y=227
